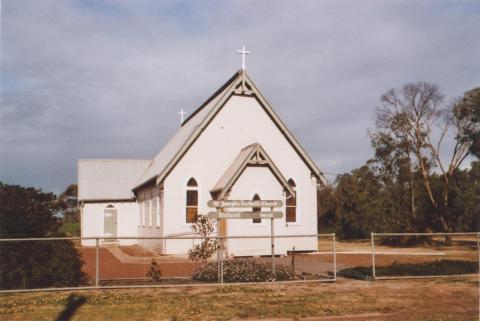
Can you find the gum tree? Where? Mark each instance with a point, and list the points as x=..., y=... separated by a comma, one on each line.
x=414, y=122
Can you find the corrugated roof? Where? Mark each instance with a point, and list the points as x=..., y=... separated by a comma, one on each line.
x=108, y=179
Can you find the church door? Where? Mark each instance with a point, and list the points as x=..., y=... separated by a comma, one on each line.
x=110, y=222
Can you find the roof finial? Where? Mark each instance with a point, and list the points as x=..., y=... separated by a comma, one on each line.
x=243, y=52
x=182, y=115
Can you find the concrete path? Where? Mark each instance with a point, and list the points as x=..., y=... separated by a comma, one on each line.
x=125, y=258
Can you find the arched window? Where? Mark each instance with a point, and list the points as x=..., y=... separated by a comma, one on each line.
x=291, y=204
x=192, y=201
x=256, y=209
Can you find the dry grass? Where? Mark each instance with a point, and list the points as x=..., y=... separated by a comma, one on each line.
x=454, y=299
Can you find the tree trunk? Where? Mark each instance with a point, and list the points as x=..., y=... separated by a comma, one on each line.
x=445, y=212
x=426, y=181
x=413, y=209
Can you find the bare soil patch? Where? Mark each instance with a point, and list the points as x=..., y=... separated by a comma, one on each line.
x=132, y=262
x=110, y=267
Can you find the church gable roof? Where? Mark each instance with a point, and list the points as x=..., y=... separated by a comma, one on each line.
x=252, y=155
x=187, y=130
x=193, y=126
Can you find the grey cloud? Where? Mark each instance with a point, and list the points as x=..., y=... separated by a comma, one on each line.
x=105, y=78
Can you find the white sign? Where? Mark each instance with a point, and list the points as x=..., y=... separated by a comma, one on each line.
x=244, y=215
x=245, y=203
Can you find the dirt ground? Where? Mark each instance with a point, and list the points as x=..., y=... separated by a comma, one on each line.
x=399, y=300
x=446, y=299
x=133, y=262
x=111, y=267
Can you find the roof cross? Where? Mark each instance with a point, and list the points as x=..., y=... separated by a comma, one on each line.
x=243, y=52
x=182, y=115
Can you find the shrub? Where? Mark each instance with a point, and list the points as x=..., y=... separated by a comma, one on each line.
x=357, y=273
x=247, y=270
x=28, y=212
x=439, y=267
x=154, y=272
x=406, y=240
x=208, y=246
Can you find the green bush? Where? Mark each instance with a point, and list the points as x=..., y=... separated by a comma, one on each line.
x=40, y=264
x=70, y=229
x=26, y=212
x=357, y=273
x=438, y=267
x=247, y=270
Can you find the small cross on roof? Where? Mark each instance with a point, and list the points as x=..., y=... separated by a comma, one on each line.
x=243, y=52
x=182, y=114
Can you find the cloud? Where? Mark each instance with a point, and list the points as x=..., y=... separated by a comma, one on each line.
x=106, y=78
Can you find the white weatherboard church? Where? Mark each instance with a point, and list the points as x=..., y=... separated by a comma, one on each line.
x=233, y=147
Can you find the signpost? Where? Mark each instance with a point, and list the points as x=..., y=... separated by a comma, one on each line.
x=244, y=215
x=221, y=214
x=245, y=203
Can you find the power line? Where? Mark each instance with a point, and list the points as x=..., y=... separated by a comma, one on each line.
x=334, y=174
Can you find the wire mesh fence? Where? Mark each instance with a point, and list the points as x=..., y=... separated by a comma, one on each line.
x=424, y=255
x=37, y=264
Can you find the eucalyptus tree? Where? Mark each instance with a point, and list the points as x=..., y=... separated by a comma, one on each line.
x=468, y=109
x=412, y=124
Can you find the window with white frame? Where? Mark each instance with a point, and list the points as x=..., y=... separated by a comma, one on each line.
x=291, y=203
x=191, y=210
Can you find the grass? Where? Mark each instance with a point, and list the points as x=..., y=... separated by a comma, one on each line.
x=71, y=229
x=439, y=267
x=246, y=302
x=220, y=304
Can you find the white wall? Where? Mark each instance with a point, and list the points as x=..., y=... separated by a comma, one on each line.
x=241, y=122
x=261, y=181
x=92, y=221
x=151, y=219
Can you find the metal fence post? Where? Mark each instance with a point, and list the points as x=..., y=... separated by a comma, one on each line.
x=97, y=257
x=478, y=252
x=218, y=260
x=373, y=255
x=293, y=258
x=273, y=244
x=218, y=251
x=334, y=259
x=221, y=258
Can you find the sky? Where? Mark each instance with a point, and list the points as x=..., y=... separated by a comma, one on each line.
x=106, y=79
